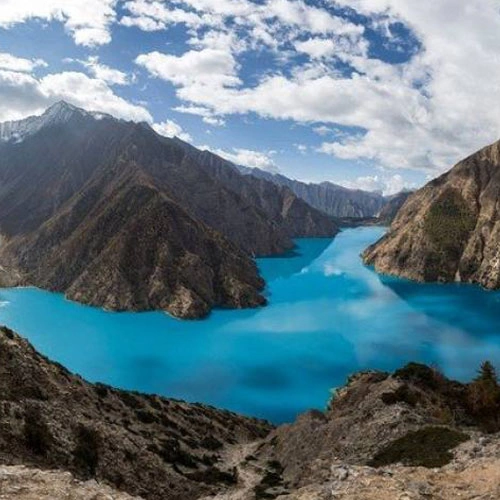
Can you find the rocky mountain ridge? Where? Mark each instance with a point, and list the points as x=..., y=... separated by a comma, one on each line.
x=330, y=198
x=449, y=230
x=411, y=434
x=114, y=215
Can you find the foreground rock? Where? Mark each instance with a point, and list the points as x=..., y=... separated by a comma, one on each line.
x=28, y=483
x=449, y=230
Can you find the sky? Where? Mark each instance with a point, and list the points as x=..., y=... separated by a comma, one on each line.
x=374, y=94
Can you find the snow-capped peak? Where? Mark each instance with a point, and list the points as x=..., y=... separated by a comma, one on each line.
x=60, y=112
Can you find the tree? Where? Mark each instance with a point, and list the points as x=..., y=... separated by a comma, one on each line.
x=487, y=373
x=484, y=398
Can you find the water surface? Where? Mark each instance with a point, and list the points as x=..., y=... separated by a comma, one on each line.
x=328, y=316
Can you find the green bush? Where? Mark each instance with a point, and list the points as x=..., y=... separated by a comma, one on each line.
x=37, y=434
x=403, y=394
x=427, y=447
x=419, y=374
x=483, y=398
x=86, y=452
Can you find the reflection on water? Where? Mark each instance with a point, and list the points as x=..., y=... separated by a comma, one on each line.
x=328, y=316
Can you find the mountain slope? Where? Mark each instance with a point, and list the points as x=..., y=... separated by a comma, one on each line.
x=449, y=230
x=330, y=198
x=392, y=206
x=294, y=217
x=145, y=445
x=112, y=214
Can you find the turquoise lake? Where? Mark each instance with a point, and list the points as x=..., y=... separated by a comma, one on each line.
x=328, y=316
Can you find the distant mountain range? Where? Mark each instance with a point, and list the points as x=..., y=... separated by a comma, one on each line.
x=449, y=230
x=115, y=215
x=330, y=198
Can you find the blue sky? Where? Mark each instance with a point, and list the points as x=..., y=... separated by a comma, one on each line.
x=377, y=94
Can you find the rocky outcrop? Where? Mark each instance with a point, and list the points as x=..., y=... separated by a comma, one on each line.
x=147, y=446
x=114, y=215
x=449, y=230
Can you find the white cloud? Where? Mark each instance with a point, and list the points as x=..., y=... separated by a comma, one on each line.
x=301, y=148
x=272, y=23
x=109, y=75
x=247, y=157
x=385, y=184
x=204, y=68
x=87, y=21
x=155, y=16
x=424, y=114
x=23, y=95
x=169, y=128
x=208, y=117
x=13, y=63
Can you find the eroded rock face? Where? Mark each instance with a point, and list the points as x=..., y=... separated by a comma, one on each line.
x=392, y=206
x=330, y=198
x=449, y=230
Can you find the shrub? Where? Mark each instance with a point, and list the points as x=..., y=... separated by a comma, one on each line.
x=272, y=479
x=427, y=447
x=86, y=453
x=403, y=394
x=37, y=434
x=213, y=475
x=420, y=374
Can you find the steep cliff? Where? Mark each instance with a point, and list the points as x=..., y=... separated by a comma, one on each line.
x=449, y=230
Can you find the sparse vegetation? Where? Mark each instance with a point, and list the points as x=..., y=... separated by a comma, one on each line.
x=402, y=394
x=448, y=225
x=86, y=453
x=427, y=447
x=36, y=431
x=272, y=479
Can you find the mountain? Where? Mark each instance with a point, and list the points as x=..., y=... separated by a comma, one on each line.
x=330, y=198
x=115, y=215
x=295, y=216
x=57, y=114
x=448, y=230
x=410, y=434
x=392, y=206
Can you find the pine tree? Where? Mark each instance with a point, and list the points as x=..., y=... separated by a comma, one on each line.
x=487, y=373
x=484, y=397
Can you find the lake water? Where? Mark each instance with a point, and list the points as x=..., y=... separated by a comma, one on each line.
x=328, y=316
